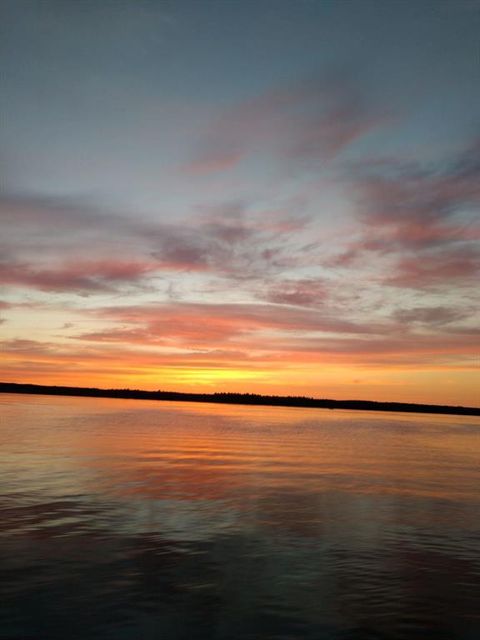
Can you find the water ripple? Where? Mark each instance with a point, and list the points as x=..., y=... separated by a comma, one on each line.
x=123, y=520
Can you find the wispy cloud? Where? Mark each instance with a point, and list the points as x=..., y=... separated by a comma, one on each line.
x=302, y=292
x=199, y=324
x=424, y=219
x=315, y=119
x=436, y=316
x=455, y=267
x=54, y=245
x=76, y=277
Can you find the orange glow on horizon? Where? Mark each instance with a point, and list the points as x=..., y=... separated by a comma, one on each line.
x=423, y=385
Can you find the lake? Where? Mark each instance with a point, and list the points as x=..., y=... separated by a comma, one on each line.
x=128, y=519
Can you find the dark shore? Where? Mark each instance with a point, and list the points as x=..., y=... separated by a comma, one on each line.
x=237, y=398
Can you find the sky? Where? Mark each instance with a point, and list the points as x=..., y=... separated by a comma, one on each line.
x=270, y=196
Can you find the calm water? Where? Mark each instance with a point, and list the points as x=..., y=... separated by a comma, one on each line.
x=124, y=519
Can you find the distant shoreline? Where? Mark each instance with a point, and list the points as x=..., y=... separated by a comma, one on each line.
x=252, y=399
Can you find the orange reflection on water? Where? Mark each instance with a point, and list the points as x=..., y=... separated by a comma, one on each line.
x=206, y=451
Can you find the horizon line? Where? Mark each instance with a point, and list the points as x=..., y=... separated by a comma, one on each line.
x=232, y=397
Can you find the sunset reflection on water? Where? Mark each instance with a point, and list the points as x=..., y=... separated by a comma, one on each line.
x=136, y=519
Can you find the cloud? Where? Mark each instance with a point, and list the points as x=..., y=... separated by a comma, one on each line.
x=459, y=267
x=37, y=230
x=275, y=333
x=213, y=162
x=315, y=119
x=422, y=219
x=228, y=346
x=76, y=277
x=195, y=326
x=3, y=306
x=432, y=316
x=30, y=347
x=296, y=331
x=54, y=245
x=231, y=241
x=303, y=292
x=27, y=210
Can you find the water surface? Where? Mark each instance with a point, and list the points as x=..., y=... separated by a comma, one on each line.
x=127, y=519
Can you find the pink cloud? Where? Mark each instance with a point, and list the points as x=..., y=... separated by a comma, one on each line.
x=315, y=119
x=217, y=163
x=214, y=325
x=226, y=240
x=253, y=350
x=422, y=220
x=459, y=266
x=269, y=334
x=100, y=275
x=303, y=292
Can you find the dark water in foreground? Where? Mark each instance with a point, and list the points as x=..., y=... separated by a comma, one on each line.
x=140, y=520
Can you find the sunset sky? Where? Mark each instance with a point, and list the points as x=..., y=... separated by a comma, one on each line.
x=269, y=196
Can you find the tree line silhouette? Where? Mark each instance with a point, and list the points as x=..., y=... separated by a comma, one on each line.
x=236, y=398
